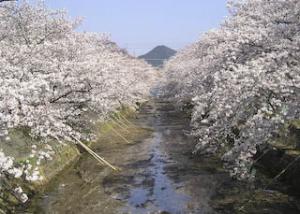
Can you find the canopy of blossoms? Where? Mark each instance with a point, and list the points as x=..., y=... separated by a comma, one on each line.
x=243, y=79
x=51, y=75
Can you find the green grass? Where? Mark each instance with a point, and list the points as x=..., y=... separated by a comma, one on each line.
x=65, y=155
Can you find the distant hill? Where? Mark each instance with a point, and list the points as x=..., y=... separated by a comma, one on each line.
x=158, y=55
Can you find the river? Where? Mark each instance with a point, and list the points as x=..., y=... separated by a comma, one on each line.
x=158, y=173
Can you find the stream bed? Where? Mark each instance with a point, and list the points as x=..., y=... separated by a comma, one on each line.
x=159, y=173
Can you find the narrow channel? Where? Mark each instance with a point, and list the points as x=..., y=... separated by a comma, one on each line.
x=159, y=173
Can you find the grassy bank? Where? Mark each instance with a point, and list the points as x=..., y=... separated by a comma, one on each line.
x=276, y=188
x=20, y=144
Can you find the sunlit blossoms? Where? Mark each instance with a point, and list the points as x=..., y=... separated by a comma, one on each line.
x=51, y=76
x=243, y=79
x=7, y=166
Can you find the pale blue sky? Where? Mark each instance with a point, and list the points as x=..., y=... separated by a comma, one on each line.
x=140, y=25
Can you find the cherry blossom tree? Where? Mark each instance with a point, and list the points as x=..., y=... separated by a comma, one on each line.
x=52, y=76
x=243, y=79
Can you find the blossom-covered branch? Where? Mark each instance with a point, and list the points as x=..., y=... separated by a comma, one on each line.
x=51, y=75
x=243, y=79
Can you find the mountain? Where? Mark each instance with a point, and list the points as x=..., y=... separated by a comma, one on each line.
x=158, y=55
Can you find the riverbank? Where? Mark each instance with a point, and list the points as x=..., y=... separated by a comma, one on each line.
x=276, y=186
x=158, y=174
x=64, y=157
x=158, y=171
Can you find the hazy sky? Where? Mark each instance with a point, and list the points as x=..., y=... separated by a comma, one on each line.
x=140, y=25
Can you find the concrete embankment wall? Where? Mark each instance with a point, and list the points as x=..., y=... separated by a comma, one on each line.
x=65, y=155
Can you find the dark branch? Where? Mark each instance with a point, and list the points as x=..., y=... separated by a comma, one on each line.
x=68, y=93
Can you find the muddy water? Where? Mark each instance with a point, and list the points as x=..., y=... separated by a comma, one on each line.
x=159, y=174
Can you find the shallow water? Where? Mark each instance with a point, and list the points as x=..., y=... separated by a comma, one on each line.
x=159, y=174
